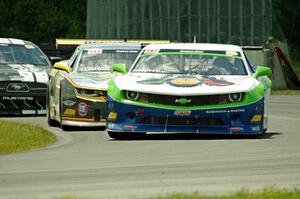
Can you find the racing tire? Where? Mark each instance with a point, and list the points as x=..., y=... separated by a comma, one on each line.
x=118, y=135
x=50, y=121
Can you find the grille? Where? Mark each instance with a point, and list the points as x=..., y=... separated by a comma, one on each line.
x=201, y=100
x=34, y=88
x=35, y=99
x=183, y=121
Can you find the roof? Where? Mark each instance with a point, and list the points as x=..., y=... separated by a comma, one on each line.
x=14, y=41
x=196, y=46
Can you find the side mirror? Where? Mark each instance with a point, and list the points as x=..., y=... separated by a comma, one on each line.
x=262, y=71
x=121, y=68
x=55, y=59
x=62, y=65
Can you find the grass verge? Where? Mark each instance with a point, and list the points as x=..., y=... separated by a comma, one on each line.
x=244, y=194
x=267, y=193
x=16, y=137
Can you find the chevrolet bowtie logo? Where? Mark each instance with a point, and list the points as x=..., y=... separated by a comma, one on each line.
x=183, y=101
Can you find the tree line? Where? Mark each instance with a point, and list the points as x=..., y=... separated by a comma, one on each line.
x=45, y=20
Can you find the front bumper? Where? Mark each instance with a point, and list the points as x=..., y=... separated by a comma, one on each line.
x=20, y=104
x=246, y=119
x=83, y=113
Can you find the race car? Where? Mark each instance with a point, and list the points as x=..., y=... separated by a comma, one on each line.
x=23, y=78
x=76, y=94
x=189, y=88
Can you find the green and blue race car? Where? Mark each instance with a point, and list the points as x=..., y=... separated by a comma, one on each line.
x=189, y=88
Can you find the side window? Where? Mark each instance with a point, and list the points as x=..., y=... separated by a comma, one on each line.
x=249, y=64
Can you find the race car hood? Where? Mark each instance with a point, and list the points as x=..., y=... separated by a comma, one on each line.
x=24, y=73
x=92, y=80
x=185, y=84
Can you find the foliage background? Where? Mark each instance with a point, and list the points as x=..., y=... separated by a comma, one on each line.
x=45, y=20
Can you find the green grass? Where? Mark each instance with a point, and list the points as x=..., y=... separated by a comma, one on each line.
x=244, y=194
x=16, y=137
x=267, y=193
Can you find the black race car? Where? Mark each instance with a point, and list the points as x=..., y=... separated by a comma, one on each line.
x=24, y=72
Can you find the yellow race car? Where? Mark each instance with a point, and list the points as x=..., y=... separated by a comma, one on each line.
x=77, y=88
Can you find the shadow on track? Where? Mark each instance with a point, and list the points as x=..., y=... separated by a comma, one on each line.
x=268, y=135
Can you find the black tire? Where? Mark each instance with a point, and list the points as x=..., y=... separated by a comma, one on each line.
x=50, y=121
x=126, y=135
x=118, y=135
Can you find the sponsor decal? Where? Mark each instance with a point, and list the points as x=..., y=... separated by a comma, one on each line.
x=183, y=101
x=225, y=111
x=256, y=118
x=17, y=87
x=17, y=98
x=110, y=125
x=255, y=128
x=112, y=116
x=110, y=105
x=184, y=82
x=69, y=111
x=83, y=109
x=127, y=126
x=184, y=113
x=94, y=51
x=69, y=102
x=232, y=53
x=151, y=50
x=236, y=128
x=216, y=82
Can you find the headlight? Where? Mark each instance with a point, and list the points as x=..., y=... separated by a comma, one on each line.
x=67, y=90
x=235, y=97
x=90, y=93
x=132, y=95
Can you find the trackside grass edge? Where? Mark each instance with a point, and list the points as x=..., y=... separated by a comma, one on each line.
x=267, y=193
x=18, y=137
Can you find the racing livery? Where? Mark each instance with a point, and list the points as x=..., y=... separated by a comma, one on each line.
x=189, y=88
x=23, y=78
x=77, y=87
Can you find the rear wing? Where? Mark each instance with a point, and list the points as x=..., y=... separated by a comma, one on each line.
x=77, y=42
x=66, y=47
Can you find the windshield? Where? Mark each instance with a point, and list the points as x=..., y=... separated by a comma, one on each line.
x=190, y=62
x=99, y=60
x=21, y=54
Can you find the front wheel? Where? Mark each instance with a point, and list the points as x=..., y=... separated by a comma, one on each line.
x=50, y=121
x=125, y=135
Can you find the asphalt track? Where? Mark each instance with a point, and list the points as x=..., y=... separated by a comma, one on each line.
x=86, y=163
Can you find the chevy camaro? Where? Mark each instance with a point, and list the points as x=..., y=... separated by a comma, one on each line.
x=189, y=88
x=77, y=87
